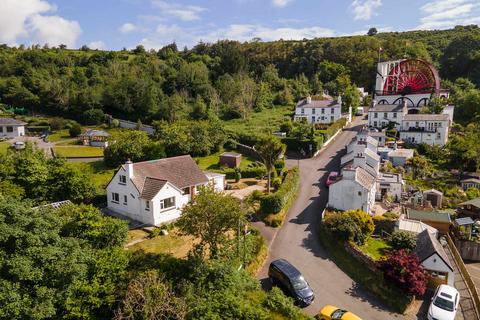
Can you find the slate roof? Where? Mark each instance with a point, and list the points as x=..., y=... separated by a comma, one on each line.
x=96, y=133
x=10, y=121
x=474, y=202
x=426, y=117
x=387, y=108
x=428, y=245
x=428, y=215
x=365, y=179
x=150, y=176
x=403, y=153
x=329, y=103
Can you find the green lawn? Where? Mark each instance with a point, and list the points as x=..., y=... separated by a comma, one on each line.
x=375, y=248
x=4, y=147
x=173, y=244
x=264, y=121
x=211, y=162
x=80, y=151
x=59, y=135
x=101, y=175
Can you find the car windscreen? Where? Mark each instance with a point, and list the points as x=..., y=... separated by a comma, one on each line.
x=337, y=314
x=299, y=283
x=443, y=304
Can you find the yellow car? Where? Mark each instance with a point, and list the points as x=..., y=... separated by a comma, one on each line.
x=333, y=313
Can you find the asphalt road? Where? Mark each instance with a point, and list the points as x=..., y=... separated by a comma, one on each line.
x=298, y=242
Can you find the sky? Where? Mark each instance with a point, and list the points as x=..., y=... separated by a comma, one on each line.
x=117, y=24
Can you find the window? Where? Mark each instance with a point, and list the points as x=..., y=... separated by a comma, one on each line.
x=359, y=193
x=302, y=111
x=125, y=199
x=313, y=111
x=123, y=179
x=385, y=115
x=394, y=114
x=186, y=190
x=1, y=129
x=115, y=197
x=147, y=205
x=332, y=110
x=167, y=203
x=375, y=115
x=438, y=135
x=9, y=129
x=313, y=119
x=374, y=123
x=323, y=111
x=416, y=124
x=332, y=118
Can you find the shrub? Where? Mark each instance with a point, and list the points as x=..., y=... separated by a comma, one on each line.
x=334, y=127
x=57, y=123
x=363, y=221
x=278, y=302
x=274, y=203
x=276, y=183
x=403, y=240
x=256, y=172
x=342, y=227
x=405, y=271
x=93, y=116
x=75, y=130
x=238, y=175
x=115, y=123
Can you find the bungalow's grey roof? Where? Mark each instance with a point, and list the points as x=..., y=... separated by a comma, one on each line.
x=428, y=245
x=474, y=202
x=329, y=103
x=428, y=215
x=151, y=187
x=364, y=178
x=96, y=133
x=387, y=108
x=180, y=171
x=11, y=122
x=426, y=117
x=401, y=153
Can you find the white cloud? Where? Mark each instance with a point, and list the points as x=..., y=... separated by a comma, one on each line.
x=281, y=3
x=27, y=19
x=166, y=34
x=100, y=45
x=128, y=27
x=449, y=13
x=365, y=9
x=175, y=10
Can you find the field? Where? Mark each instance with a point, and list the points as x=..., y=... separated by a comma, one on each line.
x=375, y=248
x=80, y=151
x=265, y=121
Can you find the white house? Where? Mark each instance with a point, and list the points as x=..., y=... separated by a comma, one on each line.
x=154, y=192
x=354, y=189
x=433, y=258
x=470, y=183
x=389, y=184
x=381, y=115
x=11, y=128
x=431, y=129
x=318, y=111
x=380, y=136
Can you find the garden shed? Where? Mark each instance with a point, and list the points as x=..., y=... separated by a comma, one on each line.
x=434, y=196
x=230, y=159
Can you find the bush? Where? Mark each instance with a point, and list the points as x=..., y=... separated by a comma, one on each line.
x=38, y=129
x=334, y=127
x=57, y=123
x=277, y=301
x=75, y=130
x=93, y=117
x=256, y=172
x=405, y=271
x=352, y=225
x=403, y=240
x=276, y=183
x=275, y=202
x=238, y=175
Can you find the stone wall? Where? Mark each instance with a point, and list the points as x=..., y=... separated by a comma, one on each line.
x=362, y=257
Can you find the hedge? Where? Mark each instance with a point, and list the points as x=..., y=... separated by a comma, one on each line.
x=275, y=206
x=334, y=127
x=257, y=172
x=37, y=129
x=294, y=145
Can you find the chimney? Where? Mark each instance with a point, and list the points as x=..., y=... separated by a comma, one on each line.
x=404, y=103
x=374, y=103
x=309, y=100
x=129, y=168
x=339, y=99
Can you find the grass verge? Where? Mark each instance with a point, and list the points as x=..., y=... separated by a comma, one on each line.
x=375, y=248
x=370, y=280
x=80, y=151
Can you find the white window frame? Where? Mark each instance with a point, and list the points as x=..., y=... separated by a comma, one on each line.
x=122, y=179
x=125, y=199
x=162, y=203
x=115, y=197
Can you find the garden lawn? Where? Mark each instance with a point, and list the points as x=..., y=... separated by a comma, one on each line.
x=4, y=147
x=80, y=151
x=266, y=120
x=59, y=136
x=101, y=175
x=211, y=162
x=173, y=243
x=375, y=248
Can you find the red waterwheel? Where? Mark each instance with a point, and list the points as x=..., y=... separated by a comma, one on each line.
x=410, y=77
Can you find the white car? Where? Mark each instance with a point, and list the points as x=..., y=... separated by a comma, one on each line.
x=444, y=303
x=19, y=145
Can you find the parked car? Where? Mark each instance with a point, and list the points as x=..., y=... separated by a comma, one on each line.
x=444, y=303
x=290, y=280
x=332, y=177
x=19, y=145
x=330, y=312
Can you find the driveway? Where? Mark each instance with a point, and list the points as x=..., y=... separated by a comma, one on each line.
x=298, y=242
x=39, y=143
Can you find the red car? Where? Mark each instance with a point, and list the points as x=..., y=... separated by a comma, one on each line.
x=332, y=177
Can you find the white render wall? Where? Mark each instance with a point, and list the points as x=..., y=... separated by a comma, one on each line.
x=324, y=118
x=349, y=195
x=382, y=119
x=435, y=263
x=18, y=131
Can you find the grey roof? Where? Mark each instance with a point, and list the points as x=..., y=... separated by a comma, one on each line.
x=402, y=153
x=387, y=108
x=377, y=134
x=96, y=133
x=329, y=103
x=464, y=221
x=428, y=215
x=426, y=117
x=10, y=121
x=365, y=179
x=230, y=154
x=180, y=171
x=389, y=177
x=474, y=202
x=372, y=154
x=427, y=245
x=433, y=191
x=213, y=174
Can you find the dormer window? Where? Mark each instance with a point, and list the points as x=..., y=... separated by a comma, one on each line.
x=122, y=179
